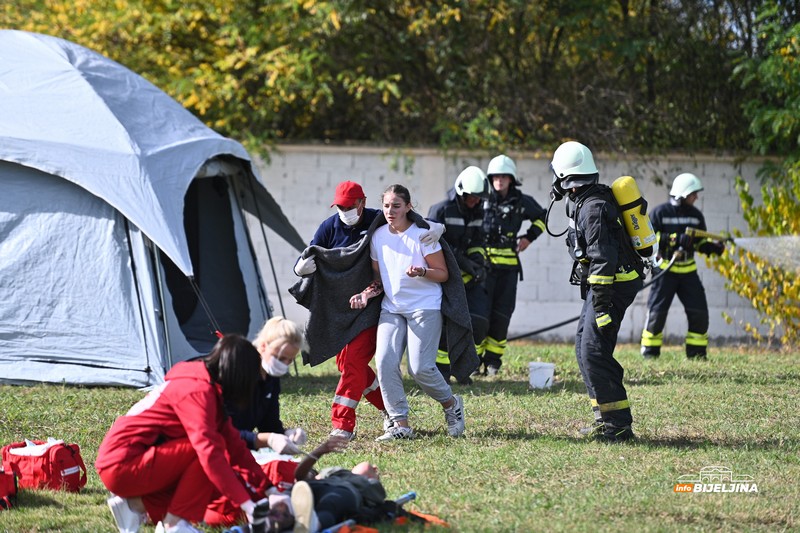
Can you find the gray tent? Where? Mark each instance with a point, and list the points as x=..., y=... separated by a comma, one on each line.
x=125, y=223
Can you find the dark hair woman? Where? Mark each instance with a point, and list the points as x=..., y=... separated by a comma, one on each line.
x=175, y=448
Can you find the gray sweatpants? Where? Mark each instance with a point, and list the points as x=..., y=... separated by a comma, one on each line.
x=419, y=331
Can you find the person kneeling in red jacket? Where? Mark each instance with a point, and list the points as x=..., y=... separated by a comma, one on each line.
x=176, y=448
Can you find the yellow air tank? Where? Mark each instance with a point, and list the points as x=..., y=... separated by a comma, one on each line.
x=634, y=214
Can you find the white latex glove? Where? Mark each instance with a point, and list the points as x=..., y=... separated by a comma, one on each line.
x=282, y=444
x=297, y=435
x=305, y=266
x=432, y=235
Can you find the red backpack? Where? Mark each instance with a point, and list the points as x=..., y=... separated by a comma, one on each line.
x=59, y=466
x=8, y=490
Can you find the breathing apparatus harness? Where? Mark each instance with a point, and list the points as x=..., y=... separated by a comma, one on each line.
x=633, y=211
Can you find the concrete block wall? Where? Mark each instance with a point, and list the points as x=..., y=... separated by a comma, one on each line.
x=302, y=178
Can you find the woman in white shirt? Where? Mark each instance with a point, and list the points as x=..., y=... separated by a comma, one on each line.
x=408, y=274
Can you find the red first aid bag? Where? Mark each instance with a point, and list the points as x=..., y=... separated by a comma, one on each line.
x=46, y=465
x=8, y=490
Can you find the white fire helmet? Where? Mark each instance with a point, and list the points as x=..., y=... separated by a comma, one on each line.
x=573, y=165
x=502, y=164
x=472, y=180
x=684, y=185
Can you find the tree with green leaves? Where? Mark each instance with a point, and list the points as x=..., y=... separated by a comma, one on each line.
x=774, y=113
x=628, y=75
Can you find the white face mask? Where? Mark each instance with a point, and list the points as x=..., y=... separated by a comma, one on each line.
x=274, y=367
x=350, y=218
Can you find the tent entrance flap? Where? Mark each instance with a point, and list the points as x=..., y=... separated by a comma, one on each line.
x=209, y=225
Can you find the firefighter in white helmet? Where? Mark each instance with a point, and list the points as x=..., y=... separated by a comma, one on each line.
x=505, y=213
x=462, y=215
x=670, y=221
x=610, y=273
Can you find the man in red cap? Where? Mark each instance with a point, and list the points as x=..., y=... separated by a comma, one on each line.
x=343, y=229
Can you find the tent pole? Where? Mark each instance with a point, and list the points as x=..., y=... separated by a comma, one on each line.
x=263, y=297
x=269, y=255
x=135, y=273
x=269, y=252
x=159, y=278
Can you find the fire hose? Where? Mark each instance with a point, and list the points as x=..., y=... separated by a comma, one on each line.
x=692, y=232
x=677, y=254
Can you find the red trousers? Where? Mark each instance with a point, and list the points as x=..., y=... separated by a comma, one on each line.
x=167, y=477
x=357, y=380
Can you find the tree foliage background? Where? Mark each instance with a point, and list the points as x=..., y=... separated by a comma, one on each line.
x=643, y=76
x=773, y=111
x=626, y=75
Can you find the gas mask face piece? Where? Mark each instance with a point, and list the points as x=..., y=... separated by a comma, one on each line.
x=557, y=192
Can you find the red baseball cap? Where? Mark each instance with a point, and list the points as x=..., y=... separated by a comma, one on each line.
x=347, y=192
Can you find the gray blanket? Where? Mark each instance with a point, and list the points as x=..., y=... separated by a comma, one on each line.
x=343, y=272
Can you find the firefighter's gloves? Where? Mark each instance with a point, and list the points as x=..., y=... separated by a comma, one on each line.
x=604, y=322
x=682, y=241
x=305, y=266
x=601, y=302
x=297, y=435
x=433, y=235
x=475, y=266
x=712, y=248
x=282, y=444
x=479, y=274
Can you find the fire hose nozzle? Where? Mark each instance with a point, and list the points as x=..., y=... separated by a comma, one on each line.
x=698, y=233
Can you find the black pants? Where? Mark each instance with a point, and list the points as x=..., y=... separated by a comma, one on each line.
x=594, y=350
x=692, y=295
x=478, y=303
x=501, y=287
x=333, y=503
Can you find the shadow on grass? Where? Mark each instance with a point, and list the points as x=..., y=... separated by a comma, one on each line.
x=671, y=375
x=478, y=387
x=677, y=442
x=30, y=498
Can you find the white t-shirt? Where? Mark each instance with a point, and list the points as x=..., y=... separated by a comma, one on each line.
x=395, y=252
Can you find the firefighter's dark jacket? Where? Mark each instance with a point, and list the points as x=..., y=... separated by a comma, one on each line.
x=672, y=220
x=598, y=243
x=464, y=231
x=503, y=219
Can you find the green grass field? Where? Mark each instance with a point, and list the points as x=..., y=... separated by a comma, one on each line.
x=522, y=466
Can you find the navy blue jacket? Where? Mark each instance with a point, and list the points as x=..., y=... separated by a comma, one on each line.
x=263, y=413
x=333, y=233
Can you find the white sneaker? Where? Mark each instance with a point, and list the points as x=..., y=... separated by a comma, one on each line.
x=349, y=435
x=181, y=527
x=396, y=432
x=128, y=520
x=387, y=420
x=454, y=416
x=305, y=518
